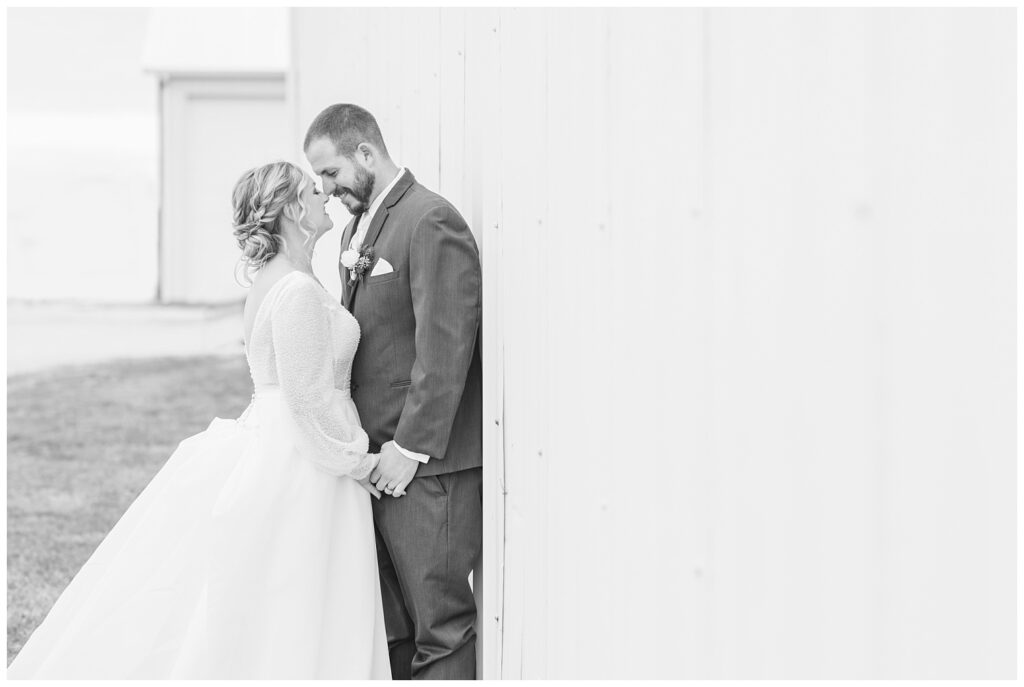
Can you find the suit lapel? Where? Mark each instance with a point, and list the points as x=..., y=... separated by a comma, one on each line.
x=346, y=241
x=371, y=235
x=403, y=185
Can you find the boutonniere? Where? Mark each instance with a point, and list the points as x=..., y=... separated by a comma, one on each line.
x=357, y=262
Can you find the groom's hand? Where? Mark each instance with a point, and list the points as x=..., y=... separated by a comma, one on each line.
x=394, y=471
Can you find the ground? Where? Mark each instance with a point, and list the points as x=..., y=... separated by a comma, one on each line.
x=82, y=443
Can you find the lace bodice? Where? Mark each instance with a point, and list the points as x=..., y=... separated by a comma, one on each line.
x=303, y=343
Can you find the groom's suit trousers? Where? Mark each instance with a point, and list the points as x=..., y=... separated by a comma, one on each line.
x=427, y=543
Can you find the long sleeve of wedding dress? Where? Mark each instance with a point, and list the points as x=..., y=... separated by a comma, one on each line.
x=301, y=324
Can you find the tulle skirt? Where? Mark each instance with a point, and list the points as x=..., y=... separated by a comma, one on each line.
x=239, y=560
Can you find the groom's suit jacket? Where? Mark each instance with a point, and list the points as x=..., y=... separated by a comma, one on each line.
x=416, y=376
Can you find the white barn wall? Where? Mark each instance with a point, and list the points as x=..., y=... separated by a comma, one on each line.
x=862, y=205
x=798, y=409
x=748, y=325
x=483, y=204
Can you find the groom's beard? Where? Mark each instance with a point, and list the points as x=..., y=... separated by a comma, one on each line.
x=357, y=198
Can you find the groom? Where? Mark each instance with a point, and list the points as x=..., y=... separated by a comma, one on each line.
x=411, y=276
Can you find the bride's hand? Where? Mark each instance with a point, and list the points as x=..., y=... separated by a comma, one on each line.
x=365, y=482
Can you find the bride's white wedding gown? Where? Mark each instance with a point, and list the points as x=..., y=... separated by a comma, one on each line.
x=251, y=554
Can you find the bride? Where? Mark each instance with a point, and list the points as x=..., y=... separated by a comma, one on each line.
x=251, y=554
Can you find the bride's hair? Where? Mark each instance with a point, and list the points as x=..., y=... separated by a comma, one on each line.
x=261, y=197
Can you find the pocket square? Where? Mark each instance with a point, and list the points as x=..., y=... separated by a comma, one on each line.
x=382, y=267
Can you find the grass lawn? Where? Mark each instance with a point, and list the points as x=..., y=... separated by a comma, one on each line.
x=82, y=443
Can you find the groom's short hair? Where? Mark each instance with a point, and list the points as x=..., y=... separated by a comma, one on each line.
x=346, y=126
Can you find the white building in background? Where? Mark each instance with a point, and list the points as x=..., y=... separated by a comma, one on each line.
x=127, y=128
x=222, y=110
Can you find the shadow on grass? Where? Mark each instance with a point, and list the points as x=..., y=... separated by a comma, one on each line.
x=82, y=442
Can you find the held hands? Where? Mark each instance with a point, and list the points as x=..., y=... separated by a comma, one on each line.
x=365, y=482
x=394, y=471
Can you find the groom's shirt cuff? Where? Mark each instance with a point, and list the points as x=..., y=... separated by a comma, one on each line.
x=421, y=457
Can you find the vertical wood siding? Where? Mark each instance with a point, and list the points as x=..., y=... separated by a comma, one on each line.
x=749, y=322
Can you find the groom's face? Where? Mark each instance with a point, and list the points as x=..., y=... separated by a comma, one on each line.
x=343, y=177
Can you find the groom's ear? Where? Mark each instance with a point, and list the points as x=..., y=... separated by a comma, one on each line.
x=366, y=153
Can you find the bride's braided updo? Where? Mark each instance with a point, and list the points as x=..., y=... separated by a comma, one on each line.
x=261, y=197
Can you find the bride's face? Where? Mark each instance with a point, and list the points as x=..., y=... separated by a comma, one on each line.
x=316, y=215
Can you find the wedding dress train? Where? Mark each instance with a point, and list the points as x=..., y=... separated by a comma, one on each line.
x=251, y=554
